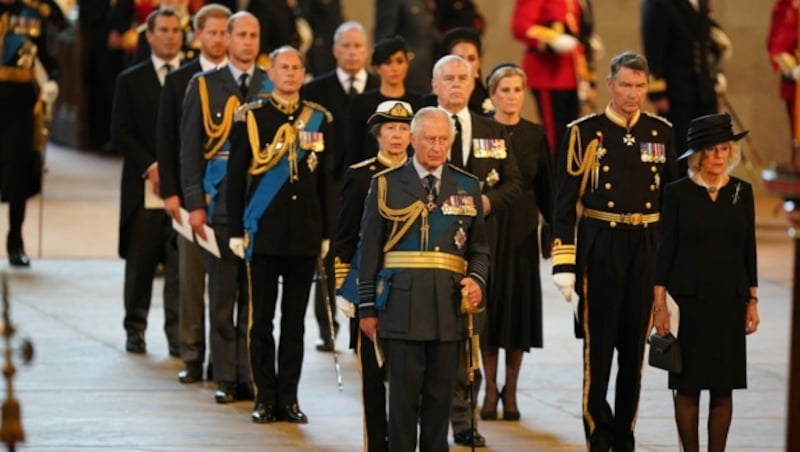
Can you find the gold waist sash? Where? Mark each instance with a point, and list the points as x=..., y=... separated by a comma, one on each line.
x=425, y=259
x=16, y=74
x=633, y=219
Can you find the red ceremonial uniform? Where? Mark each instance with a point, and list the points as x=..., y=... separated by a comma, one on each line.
x=782, y=40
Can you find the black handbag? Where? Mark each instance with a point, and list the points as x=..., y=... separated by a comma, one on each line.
x=665, y=353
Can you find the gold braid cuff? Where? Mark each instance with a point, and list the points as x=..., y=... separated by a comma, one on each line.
x=580, y=161
x=341, y=269
x=217, y=133
x=405, y=217
x=563, y=254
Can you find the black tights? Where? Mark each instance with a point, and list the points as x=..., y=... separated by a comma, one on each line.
x=16, y=216
x=720, y=410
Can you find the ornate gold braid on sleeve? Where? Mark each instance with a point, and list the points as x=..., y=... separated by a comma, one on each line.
x=217, y=133
x=264, y=160
x=405, y=216
x=579, y=163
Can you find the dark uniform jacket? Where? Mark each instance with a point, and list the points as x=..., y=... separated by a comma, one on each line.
x=299, y=216
x=624, y=176
x=328, y=92
x=133, y=133
x=678, y=48
x=422, y=304
x=170, y=109
x=221, y=86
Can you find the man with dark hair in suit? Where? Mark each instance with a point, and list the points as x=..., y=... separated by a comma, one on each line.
x=279, y=197
x=424, y=262
x=334, y=90
x=211, y=31
x=481, y=148
x=206, y=123
x=145, y=236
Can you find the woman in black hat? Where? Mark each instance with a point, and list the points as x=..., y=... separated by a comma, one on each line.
x=514, y=319
x=390, y=59
x=707, y=263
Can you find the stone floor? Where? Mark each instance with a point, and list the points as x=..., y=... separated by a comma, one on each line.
x=83, y=392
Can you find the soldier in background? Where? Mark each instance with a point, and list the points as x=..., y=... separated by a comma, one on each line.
x=625, y=156
x=27, y=93
x=782, y=45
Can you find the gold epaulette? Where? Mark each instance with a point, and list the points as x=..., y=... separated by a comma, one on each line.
x=319, y=107
x=660, y=118
x=657, y=85
x=241, y=112
x=581, y=119
x=562, y=254
x=386, y=171
x=462, y=171
x=363, y=163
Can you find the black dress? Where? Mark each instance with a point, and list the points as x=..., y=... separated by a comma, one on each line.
x=515, y=304
x=707, y=261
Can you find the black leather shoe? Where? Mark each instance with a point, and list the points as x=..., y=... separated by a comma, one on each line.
x=226, y=392
x=293, y=415
x=192, y=373
x=18, y=258
x=325, y=345
x=263, y=414
x=244, y=391
x=135, y=344
x=469, y=438
x=210, y=372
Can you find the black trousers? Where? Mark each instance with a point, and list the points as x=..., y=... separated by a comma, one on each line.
x=278, y=385
x=191, y=301
x=421, y=378
x=152, y=240
x=616, y=301
x=228, y=313
x=373, y=396
x=557, y=108
x=320, y=307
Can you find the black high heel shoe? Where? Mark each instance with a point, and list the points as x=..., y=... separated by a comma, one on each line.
x=489, y=409
x=508, y=415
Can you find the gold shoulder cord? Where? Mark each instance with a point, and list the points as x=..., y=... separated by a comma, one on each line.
x=407, y=216
x=582, y=160
x=265, y=159
x=217, y=133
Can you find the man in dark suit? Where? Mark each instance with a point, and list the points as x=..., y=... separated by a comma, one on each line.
x=280, y=221
x=423, y=245
x=333, y=91
x=211, y=23
x=481, y=148
x=145, y=236
x=678, y=45
x=206, y=123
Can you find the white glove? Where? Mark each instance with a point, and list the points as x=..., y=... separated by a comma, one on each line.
x=564, y=43
x=49, y=92
x=326, y=246
x=796, y=73
x=347, y=308
x=721, y=84
x=236, y=244
x=565, y=282
x=584, y=90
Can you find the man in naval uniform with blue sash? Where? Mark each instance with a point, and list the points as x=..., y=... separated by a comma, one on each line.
x=424, y=264
x=280, y=188
x=209, y=106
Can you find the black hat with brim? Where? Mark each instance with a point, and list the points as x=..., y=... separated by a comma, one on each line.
x=709, y=130
x=386, y=47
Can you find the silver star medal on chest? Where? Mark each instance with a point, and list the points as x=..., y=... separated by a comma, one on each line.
x=431, y=205
x=460, y=239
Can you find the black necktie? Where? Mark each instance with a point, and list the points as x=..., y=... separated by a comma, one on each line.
x=456, y=151
x=351, y=91
x=430, y=189
x=243, y=85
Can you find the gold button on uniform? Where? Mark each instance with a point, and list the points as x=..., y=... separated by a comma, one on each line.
x=612, y=224
x=652, y=187
x=294, y=197
x=608, y=185
x=606, y=168
x=648, y=205
x=610, y=204
x=654, y=169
